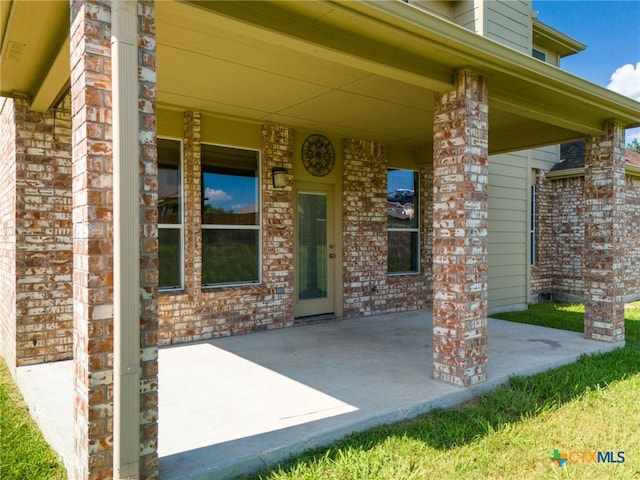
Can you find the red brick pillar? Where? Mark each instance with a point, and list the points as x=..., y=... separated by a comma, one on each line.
x=278, y=219
x=460, y=189
x=92, y=187
x=92, y=239
x=192, y=207
x=148, y=158
x=604, y=235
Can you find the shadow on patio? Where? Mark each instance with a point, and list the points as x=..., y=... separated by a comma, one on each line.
x=237, y=404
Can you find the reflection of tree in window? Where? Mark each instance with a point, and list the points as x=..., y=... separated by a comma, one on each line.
x=402, y=221
x=230, y=216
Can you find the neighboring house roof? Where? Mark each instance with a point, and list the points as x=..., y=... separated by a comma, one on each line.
x=572, y=160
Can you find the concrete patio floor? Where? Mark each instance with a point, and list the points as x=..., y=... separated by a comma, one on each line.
x=237, y=404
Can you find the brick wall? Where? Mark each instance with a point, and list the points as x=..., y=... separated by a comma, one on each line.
x=37, y=271
x=568, y=228
x=632, y=255
x=368, y=290
x=8, y=232
x=561, y=217
x=198, y=314
x=364, y=206
x=543, y=270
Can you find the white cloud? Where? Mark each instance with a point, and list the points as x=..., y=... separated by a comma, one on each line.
x=626, y=80
x=216, y=195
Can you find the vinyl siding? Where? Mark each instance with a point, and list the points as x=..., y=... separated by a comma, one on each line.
x=441, y=8
x=509, y=22
x=508, y=231
x=468, y=14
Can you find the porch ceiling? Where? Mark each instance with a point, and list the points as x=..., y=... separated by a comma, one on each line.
x=361, y=69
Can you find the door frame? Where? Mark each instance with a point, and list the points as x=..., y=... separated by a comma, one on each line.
x=334, y=234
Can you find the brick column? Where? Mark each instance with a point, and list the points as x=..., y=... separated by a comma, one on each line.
x=604, y=235
x=92, y=186
x=460, y=232
x=148, y=240
x=192, y=206
x=277, y=220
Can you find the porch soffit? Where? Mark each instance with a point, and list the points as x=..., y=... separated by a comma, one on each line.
x=361, y=69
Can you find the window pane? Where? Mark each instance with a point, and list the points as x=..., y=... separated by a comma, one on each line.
x=169, y=182
x=230, y=256
x=401, y=199
x=169, y=258
x=312, y=246
x=230, y=184
x=403, y=252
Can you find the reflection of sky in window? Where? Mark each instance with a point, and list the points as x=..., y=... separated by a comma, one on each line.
x=400, y=179
x=231, y=192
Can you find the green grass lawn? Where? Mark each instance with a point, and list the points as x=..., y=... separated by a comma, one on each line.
x=24, y=455
x=510, y=433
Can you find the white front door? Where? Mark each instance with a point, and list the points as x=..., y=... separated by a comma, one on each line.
x=315, y=250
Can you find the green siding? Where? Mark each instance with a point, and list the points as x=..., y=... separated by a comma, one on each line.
x=508, y=229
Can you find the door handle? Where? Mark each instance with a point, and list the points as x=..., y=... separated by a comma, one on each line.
x=332, y=255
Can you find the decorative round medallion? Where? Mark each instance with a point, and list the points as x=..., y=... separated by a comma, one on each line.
x=318, y=155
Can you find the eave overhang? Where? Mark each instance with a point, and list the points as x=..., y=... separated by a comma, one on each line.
x=552, y=39
x=406, y=52
x=631, y=170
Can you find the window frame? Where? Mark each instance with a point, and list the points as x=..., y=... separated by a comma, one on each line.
x=257, y=227
x=533, y=258
x=539, y=54
x=416, y=229
x=173, y=226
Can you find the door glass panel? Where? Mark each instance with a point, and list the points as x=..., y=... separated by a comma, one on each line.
x=312, y=246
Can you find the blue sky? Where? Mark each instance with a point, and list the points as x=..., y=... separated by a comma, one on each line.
x=611, y=31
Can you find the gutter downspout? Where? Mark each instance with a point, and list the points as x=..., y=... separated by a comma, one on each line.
x=126, y=241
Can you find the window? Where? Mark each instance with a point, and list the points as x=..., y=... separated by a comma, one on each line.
x=539, y=55
x=532, y=229
x=402, y=222
x=169, y=214
x=230, y=216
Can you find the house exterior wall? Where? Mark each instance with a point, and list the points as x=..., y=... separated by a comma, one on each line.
x=363, y=286
x=37, y=268
x=509, y=22
x=559, y=272
x=8, y=245
x=468, y=14
x=632, y=256
x=196, y=313
x=368, y=290
x=508, y=202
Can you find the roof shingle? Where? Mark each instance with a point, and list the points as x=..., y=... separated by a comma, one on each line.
x=572, y=156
